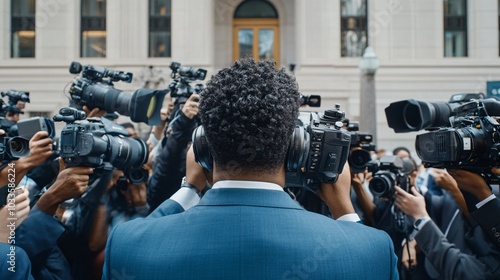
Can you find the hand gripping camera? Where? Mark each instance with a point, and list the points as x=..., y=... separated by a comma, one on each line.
x=94, y=141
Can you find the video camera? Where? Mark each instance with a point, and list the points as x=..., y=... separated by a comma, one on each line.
x=16, y=95
x=414, y=115
x=359, y=151
x=472, y=142
x=180, y=87
x=318, y=150
x=94, y=88
x=95, y=141
x=463, y=133
x=390, y=172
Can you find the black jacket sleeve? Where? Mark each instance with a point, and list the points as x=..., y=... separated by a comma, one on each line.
x=489, y=219
x=170, y=167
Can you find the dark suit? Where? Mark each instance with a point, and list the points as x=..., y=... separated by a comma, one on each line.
x=17, y=267
x=464, y=252
x=489, y=219
x=247, y=234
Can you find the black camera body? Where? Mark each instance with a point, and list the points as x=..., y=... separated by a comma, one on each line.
x=472, y=142
x=95, y=141
x=321, y=157
x=94, y=89
x=180, y=87
x=361, y=146
x=390, y=174
x=16, y=95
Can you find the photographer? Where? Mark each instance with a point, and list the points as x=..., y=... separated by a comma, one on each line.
x=454, y=249
x=170, y=166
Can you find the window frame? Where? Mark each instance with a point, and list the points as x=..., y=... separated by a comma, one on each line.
x=363, y=22
x=21, y=23
x=86, y=22
x=456, y=23
x=155, y=24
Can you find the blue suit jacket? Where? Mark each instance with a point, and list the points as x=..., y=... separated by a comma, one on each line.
x=246, y=234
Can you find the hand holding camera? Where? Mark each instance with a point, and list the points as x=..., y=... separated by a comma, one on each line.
x=70, y=183
x=411, y=204
x=190, y=108
x=21, y=211
x=338, y=195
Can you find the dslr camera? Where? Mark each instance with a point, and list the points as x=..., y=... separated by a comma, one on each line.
x=94, y=88
x=180, y=87
x=95, y=141
x=390, y=173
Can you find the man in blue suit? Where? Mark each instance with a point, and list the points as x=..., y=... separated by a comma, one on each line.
x=246, y=226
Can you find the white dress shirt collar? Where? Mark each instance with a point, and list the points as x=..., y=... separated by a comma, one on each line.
x=235, y=184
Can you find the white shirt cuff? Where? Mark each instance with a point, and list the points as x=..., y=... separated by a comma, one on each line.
x=353, y=217
x=486, y=200
x=186, y=197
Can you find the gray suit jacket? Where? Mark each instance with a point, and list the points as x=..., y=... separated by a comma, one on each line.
x=464, y=253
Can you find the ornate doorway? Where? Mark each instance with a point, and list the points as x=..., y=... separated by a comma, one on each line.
x=256, y=31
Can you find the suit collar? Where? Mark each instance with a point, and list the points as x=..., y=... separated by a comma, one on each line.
x=248, y=197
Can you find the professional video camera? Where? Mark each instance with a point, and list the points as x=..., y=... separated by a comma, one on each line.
x=413, y=115
x=94, y=88
x=463, y=133
x=94, y=141
x=472, y=142
x=390, y=173
x=318, y=151
x=361, y=145
x=180, y=87
x=16, y=95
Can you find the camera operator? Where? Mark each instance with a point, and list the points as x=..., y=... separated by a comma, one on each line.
x=380, y=212
x=246, y=226
x=16, y=263
x=170, y=166
x=453, y=248
x=482, y=202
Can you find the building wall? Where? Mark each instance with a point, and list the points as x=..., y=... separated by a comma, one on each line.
x=407, y=37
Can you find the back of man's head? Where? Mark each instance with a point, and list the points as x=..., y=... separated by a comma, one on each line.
x=249, y=112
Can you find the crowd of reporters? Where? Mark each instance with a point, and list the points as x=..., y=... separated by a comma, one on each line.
x=444, y=222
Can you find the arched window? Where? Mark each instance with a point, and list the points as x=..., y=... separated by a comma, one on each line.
x=255, y=9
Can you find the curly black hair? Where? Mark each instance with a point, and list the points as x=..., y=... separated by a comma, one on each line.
x=248, y=112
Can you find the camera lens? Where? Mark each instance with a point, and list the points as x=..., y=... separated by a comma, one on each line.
x=127, y=153
x=18, y=147
x=382, y=184
x=358, y=159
